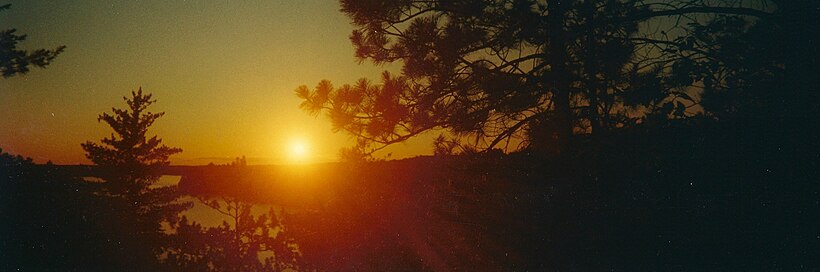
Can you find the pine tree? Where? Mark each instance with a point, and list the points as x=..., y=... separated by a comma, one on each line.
x=129, y=161
x=15, y=60
x=517, y=74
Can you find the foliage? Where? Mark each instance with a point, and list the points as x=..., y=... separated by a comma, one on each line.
x=515, y=74
x=17, y=61
x=130, y=160
x=257, y=244
x=244, y=243
x=737, y=65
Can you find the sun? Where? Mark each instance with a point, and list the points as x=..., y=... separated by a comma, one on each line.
x=298, y=150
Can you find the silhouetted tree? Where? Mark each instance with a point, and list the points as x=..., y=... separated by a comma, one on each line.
x=511, y=73
x=244, y=243
x=705, y=106
x=247, y=243
x=130, y=160
x=17, y=61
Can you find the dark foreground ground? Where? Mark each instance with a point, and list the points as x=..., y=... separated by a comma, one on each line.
x=674, y=199
x=672, y=203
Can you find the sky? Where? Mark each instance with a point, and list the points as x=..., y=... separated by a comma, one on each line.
x=223, y=71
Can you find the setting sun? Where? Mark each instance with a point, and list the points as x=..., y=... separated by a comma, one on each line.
x=435, y=135
x=298, y=150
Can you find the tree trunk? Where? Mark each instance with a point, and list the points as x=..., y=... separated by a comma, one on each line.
x=560, y=85
x=591, y=70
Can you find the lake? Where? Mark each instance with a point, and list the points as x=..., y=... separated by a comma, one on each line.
x=201, y=213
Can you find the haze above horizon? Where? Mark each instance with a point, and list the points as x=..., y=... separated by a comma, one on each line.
x=224, y=73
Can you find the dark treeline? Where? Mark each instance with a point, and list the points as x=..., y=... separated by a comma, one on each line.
x=575, y=135
x=665, y=134
x=705, y=201
x=115, y=217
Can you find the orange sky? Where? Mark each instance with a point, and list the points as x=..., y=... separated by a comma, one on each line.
x=223, y=71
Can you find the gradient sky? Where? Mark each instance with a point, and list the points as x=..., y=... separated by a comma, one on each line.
x=223, y=71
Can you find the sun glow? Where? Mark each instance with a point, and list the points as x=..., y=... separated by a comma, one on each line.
x=298, y=151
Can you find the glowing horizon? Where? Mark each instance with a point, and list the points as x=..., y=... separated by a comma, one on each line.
x=223, y=73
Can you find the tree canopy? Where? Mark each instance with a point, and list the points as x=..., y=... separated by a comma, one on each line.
x=530, y=74
x=130, y=160
x=131, y=145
